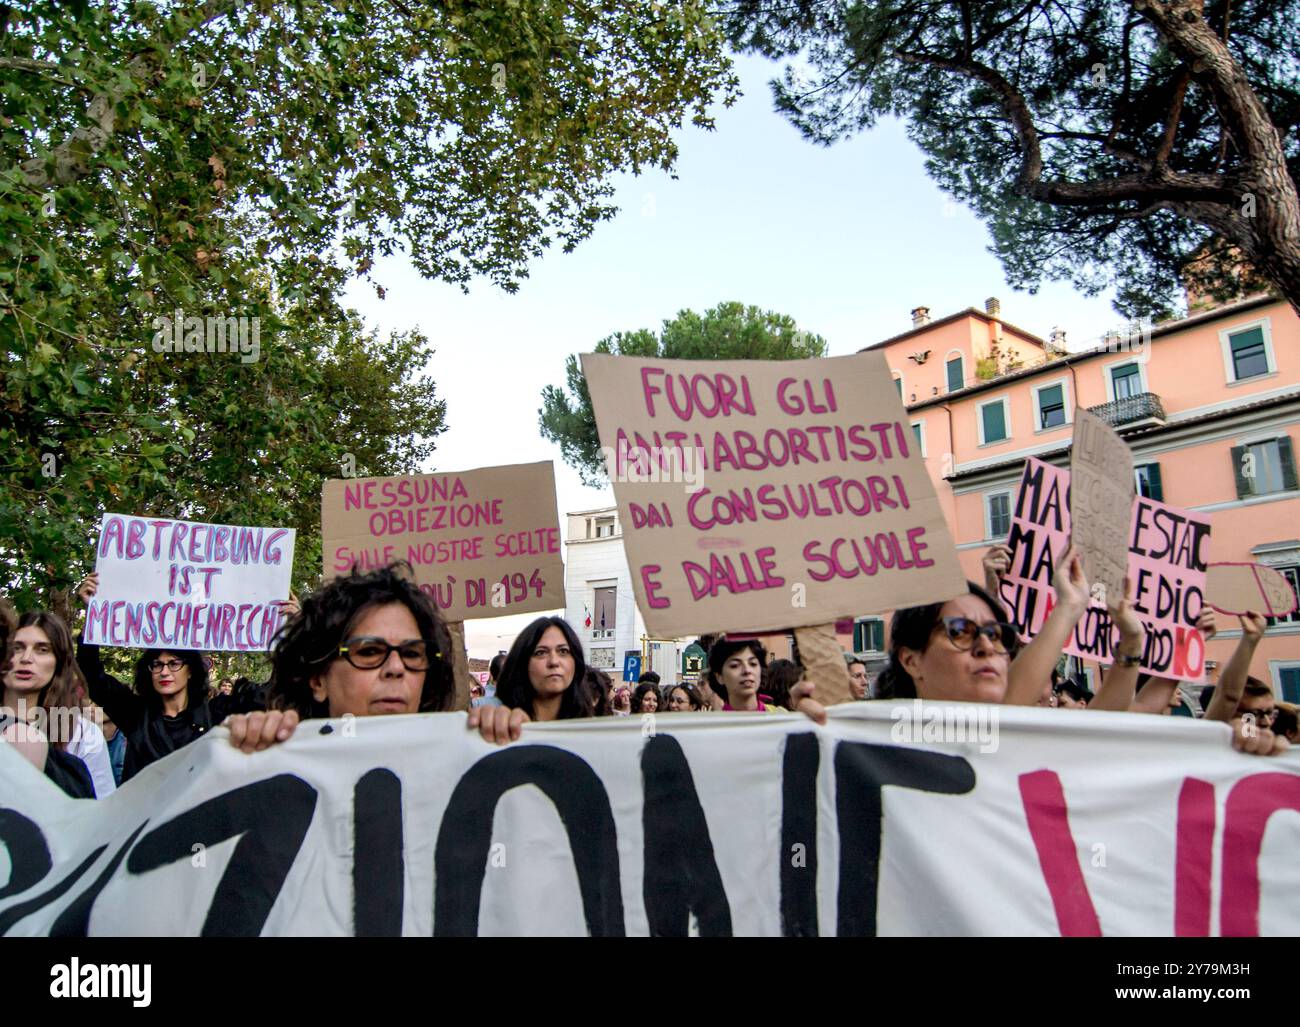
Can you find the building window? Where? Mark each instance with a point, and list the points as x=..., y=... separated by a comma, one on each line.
x=993, y=421
x=1288, y=682
x=1247, y=352
x=1147, y=479
x=869, y=635
x=997, y=515
x=604, y=527
x=1051, y=406
x=1126, y=380
x=956, y=376
x=898, y=384
x=1262, y=468
x=1292, y=575
x=604, y=612
x=918, y=429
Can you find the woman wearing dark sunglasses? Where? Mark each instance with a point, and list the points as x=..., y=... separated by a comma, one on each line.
x=366, y=645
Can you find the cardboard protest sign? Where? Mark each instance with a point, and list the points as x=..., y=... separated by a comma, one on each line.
x=1237, y=588
x=188, y=585
x=759, y=495
x=1165, y=547
x=482, y=543
x=1101, y=472
x=414, y=825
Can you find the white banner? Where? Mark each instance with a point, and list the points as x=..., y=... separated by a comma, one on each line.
x=1041, y=822
x=186, y=585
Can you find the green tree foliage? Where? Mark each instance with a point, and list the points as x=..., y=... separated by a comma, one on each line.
x=730, y=331
x=245, y=158
x=1104, y=141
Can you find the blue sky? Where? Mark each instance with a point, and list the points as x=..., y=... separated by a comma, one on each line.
x=845, y=239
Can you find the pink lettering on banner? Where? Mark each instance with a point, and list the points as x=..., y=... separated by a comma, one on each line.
x=1252, y=801
x=111, y=538
x=652, y=586
x=1049, y=826
x=1194, y=859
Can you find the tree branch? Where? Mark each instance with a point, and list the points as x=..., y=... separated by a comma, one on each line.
x=1181, y=78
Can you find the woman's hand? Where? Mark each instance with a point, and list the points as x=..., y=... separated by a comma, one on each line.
x=1253, y=626
x=997, y=561
x=498, y=724
x=1132, y=632
x=1070, y=583
x=88, y=587
x=253, y=732
x=801, y=701
x=1249, y=737
x=1206, y=625
x=289, y=607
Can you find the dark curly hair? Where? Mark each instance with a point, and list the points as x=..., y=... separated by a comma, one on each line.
x=642, y=690
x=196, y=692
x=515, y=688
x=725, y=648
x=911, y=628
x=307, y=644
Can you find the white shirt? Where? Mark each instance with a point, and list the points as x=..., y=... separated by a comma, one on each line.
x=88, y=744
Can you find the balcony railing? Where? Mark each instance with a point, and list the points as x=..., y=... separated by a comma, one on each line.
x=1143, y=406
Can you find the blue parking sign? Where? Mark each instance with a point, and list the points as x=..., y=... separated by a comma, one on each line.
x=631, y=666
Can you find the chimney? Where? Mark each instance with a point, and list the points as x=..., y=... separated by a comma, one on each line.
x=920, y=316
x=1057, y=340
x=993, y=307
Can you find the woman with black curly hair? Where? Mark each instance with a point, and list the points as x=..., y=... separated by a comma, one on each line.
x=367, y=645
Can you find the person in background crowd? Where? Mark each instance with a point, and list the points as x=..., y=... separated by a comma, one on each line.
x=646, y=697
x=735, y=672
x=682, y=699
x=858, y=685
x=599, y=686
x=168, y=707
x=1048, y=697
x=779, y=677
x=1072, y=694
x=68, y=773
x=651, y=677
x=1287, y=722
x=44, y=685
x=489, y=696
x=543, y=679
x=112, y=736
x=1257, y=701
x=227, y=687
x=621, y=704
x=1227, y=702
x=369, y=644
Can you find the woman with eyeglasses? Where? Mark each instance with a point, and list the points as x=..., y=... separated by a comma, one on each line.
x=365, y=645
x=167, y=705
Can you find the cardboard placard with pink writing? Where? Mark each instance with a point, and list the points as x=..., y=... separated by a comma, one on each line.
x=482, y=543
x=764, y=495
x=1166, y=564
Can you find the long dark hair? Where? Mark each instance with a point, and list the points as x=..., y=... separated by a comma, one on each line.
x=597, y=684
x=642, y=690
x=515, y=688
x=779, y=677
x=196, y=691
x=307, y=644
x=724, y=649
x=912, y=628
x=66, y=686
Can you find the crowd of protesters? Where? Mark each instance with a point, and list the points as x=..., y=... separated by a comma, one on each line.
x=372, y=644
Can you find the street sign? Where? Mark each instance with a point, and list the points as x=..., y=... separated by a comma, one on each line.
x=631, y=666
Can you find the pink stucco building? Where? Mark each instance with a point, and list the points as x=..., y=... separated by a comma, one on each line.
x=1209, y=405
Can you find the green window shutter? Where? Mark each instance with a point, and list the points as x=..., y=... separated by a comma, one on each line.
x=1238, y=466
x=899, y=383
x=995, y=427
x=916, y=430
x=1286, y=454
x=1050, y=397
x=1154, y=484
x=955, y=375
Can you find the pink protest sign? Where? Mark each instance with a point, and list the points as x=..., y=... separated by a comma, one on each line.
x=482, y=543
x=1166, y=566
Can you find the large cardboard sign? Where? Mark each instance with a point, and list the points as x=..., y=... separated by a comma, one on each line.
x=482, y=543
x=1101, y=472
x=1237, y=588
x=1166, y=550
x=760, y=495
x=745, y=824
x=188, y=585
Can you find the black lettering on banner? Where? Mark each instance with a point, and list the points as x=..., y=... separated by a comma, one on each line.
x=680, y=873
x=378, y=867
x=74, y=921
x=29, y=856
x=799, y=828
x=862, y=771
x=270, y=818
x=464, y=838
x=23, y=909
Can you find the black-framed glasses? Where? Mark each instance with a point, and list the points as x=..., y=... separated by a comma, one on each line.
x=368, y=653
x=962, y=632
x=158, y=666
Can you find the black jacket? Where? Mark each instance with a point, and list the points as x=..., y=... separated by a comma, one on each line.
x=149, y=734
